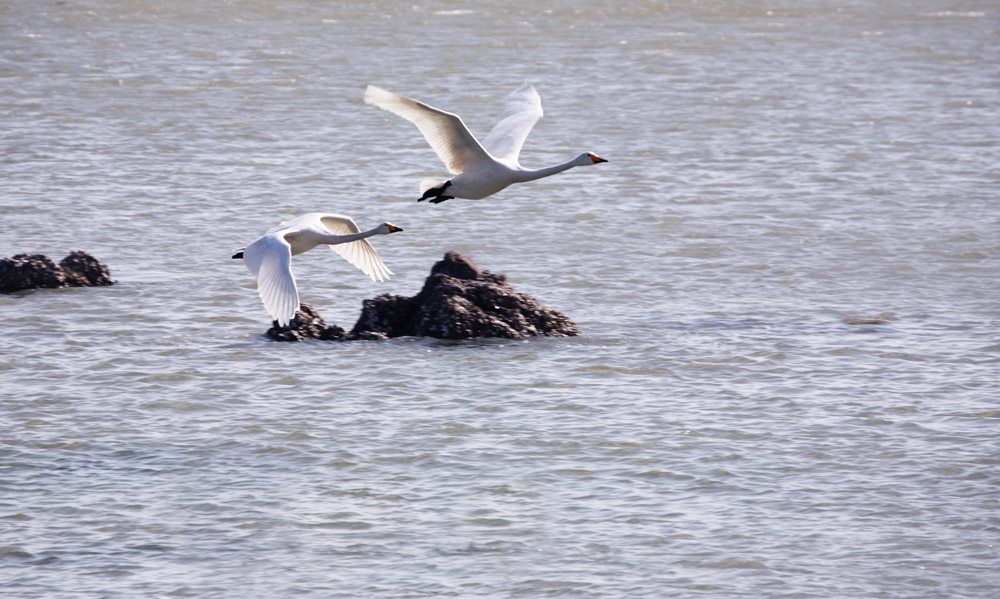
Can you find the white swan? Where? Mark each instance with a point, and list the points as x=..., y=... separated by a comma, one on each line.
x=482, y=169
x=269, y=258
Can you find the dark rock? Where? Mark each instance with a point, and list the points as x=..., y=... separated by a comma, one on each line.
x=86, y=269
x=368, y=336
x=458, y=301
x=307, y=324
x=458, y=265
x=31, y=271
x=385, y=313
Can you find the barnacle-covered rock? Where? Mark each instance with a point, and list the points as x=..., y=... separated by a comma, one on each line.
x=306, y=324
x=32, y=271
x=458, y=301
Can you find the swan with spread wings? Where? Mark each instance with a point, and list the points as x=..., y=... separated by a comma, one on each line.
x=481, y=169
x=269, y=257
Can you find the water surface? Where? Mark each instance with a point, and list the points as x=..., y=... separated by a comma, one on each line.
x=786, y=279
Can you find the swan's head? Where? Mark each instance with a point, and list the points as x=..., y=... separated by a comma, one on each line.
x=386, y=228
x=589, y=158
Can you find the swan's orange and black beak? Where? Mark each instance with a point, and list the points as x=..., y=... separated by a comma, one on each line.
x=596, y=158
x=393, y=228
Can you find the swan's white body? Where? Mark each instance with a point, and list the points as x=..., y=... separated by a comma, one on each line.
x=269, y=258
x=481, y=169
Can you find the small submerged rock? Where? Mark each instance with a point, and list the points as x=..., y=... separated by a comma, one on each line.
x=458, y=301
x=882, y=318
x=84, y=270
x=32, y=271
x=307, y=324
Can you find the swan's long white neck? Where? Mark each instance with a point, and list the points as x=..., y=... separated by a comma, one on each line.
x=531, y=175
x=307, y=240
x=332, y=239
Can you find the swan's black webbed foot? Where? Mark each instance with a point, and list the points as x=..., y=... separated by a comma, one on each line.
x=435, y=194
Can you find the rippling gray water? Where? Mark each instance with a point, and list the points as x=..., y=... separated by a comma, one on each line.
x=786, y=279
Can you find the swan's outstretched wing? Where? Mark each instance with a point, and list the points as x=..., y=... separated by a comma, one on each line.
x=270, y=258
x=444, y=131
x=521, y=111
x=360, y=253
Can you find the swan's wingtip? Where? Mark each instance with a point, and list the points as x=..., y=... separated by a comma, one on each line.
x=375, y=94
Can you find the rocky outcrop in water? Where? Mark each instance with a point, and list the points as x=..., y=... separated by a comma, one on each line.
x=307, y=324
x=458, y=301
x=31, y=271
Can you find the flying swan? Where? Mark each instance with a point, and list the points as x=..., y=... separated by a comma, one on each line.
x=269, y=258
x=481, y=169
